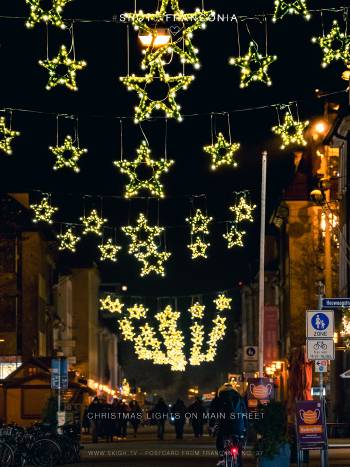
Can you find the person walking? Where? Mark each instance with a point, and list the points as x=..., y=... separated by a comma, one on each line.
x=115, y=410
x=160, y=413
x=135, y=415
x=178, y=411
x=213, y=411
x=124, y=410
x=94, y=414
x=198, y=414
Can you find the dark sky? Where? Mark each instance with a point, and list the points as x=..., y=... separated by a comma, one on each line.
x=295, y=76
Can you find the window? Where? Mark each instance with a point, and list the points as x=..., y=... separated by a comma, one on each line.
x=33, y=401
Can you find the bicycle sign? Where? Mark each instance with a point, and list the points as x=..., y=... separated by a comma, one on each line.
x=319, y=324
x=320, y=349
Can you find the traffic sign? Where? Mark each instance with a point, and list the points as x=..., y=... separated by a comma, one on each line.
x=320, y=349
x=319, y=324
x=346, y=374
x=321, y=366
x=335, y=302
x=250, y=352
x=59, y=373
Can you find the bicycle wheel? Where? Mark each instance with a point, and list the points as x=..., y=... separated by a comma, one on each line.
x=46, y=453
x=6, y=455
x=67, y=448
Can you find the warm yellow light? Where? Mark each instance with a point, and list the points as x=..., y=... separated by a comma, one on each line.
x=320, y=127
x=346, y=75
x=335, y=338
x=2, y=340
x=160, y=37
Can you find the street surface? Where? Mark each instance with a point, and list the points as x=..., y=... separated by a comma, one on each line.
x=147, y=451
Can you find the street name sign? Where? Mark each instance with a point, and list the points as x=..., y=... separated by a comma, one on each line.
x=320, y=349
x=319, y=324
x=331, y=303
x=346, y=374
x=321, y=366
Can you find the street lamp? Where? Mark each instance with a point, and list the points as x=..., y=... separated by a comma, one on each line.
x=157, y=38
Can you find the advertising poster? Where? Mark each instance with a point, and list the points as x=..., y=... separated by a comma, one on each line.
x=260, y=390
x=310, y=422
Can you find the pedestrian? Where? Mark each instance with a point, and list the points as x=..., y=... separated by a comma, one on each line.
x=198, y=417
x=135, y=415
x=178, y=412
x=160, y=413
x=117, y=414
x=94, y=414
x=86, y=422
x=124, y=408
x=213, y=411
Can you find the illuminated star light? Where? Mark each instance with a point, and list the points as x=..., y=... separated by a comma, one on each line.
x=68, y=240
x=153, y=262
x=259, y=70
x=222, y=302
x=291, y=7
x=143, y=236
x=109, y=251
x=111, y=305
x=146, y=106
x=234, y=237
x=6, y=137
x=52, y=16
x=291, y=131
x=197, y=310
x=137, y=311
x=216, y=334
x=222, y=152
x=143, y=159
x=198, y=248
x=197, y=338
x=67, y=155
x=243, y=210
x=335, y=45
x=62, y=70
x=43, y=211
x=127, y=329
x=199, y=222
x=182, y=45
x=93, y=223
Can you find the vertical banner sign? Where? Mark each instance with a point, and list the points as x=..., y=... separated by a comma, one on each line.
x=59, y=373
x=310, y=423
x=260, y=390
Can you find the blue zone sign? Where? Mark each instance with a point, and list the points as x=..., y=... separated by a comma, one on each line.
x=319, y=324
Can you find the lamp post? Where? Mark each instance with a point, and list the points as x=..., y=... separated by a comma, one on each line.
x=262, y=265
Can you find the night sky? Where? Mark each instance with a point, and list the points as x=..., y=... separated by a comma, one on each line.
x=101, y=99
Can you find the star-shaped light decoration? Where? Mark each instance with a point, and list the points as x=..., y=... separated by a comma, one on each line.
x=93, y=223
x=62, y=70
x=150, y=180
x=216, y=334
x=196, y=310
x=291, y=131
x=127, y=329
x=254, y=66
x=52, y=16
x=199, y=222
x=6, y=137
x=67, y=155
x=181, y=41
x=291, y=7
x=109, y=251
x=68, y=240
x=43, y=211
x=198, y=248
x=243, y=210
x=222, y=302
x=335, y=45
x=137, y=311
x=147, y=105
x=112, y=305
x=197, y=338
x=234, y=236
x=153, y=262
x=143, y=236
x=222, y=152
